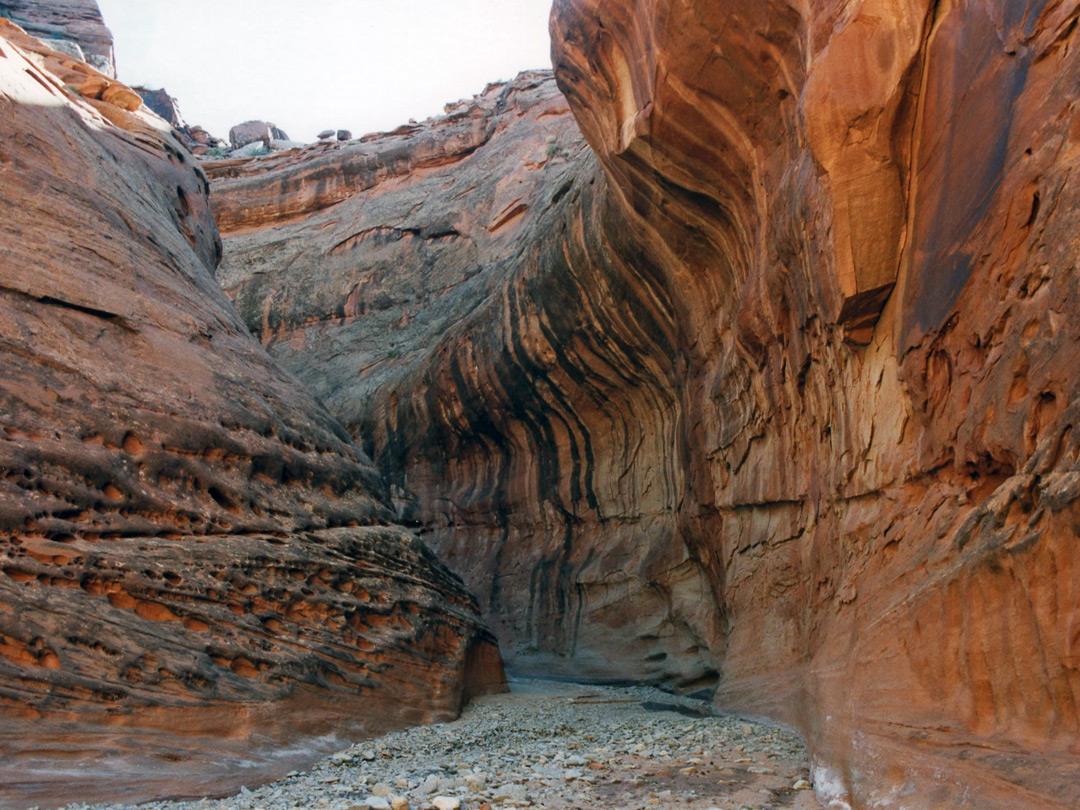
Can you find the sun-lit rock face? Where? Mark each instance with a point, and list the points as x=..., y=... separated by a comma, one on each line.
x=772, y=390
x=196, y=562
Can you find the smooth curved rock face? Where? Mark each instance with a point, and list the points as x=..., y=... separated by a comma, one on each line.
x=196, y=562
x=882, y=486
x=442, y=290
x=78, y=22
x=780, y=385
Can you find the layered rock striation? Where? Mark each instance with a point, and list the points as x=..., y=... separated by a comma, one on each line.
x=437, y=288
x=772, y=391
x=863, y=218
x=196, y=562
x=72, y=25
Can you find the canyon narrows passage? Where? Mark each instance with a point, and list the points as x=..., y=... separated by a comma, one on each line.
x=767, y=390
x=738, y=355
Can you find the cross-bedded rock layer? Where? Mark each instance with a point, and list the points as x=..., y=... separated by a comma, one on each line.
x=779, y=385
x=884, y=494
x=77, y=22
x=195, y=560
x=441, y=289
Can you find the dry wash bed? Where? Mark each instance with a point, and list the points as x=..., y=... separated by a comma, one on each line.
x=549, y=745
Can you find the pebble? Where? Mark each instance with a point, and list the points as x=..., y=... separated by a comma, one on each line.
x=510, y=793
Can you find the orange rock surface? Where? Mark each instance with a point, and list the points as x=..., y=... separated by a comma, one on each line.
x=197, y=565
x=864, y=214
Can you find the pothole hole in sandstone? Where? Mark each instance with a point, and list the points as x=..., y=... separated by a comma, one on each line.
x=177, y=157
x=562, y=192
x=132, y=444
x=220, y=498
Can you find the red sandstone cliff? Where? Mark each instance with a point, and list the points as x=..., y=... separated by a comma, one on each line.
x=417, y=283
x=195, y=559
x=773, y=390
x=865, y=217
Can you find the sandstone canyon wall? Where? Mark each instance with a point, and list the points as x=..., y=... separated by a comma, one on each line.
x=772, y=390
x=866, y=216
x=418, y=284
x=77, y=22
x=196, y=562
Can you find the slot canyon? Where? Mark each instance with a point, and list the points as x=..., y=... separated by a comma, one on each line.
x=737, y=355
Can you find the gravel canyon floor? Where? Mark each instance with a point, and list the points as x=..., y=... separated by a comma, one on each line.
x=551, y=745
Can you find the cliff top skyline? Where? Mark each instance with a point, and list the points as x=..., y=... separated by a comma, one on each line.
x=378, y=66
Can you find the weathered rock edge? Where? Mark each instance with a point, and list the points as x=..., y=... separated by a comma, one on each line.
x=74, y=24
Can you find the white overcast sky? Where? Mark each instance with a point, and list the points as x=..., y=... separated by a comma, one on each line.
x=309, y=65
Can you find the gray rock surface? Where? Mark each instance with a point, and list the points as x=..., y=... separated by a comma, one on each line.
x=75, y=21
x=252, y=131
